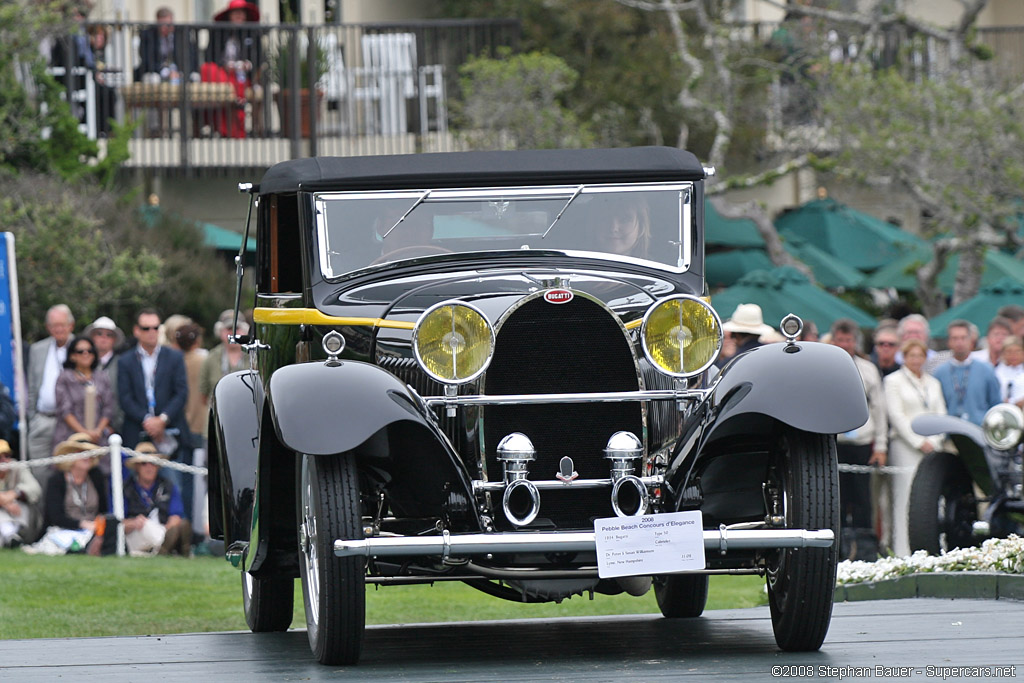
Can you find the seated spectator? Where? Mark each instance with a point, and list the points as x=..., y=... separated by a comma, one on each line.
x=77, y=498
x=154, y=514
x=234, y=56
x=21, y=518
x=1010, y=371
x=165, y=53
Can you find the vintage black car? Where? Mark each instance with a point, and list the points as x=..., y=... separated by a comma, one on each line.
x=943, y=511
x=466, y=363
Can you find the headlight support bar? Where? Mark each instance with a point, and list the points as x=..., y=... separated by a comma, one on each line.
x=593, y=397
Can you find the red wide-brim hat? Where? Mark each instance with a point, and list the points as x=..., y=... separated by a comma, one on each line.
x=252, y=12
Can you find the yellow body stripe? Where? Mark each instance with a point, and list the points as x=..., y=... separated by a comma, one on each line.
x=311, y=316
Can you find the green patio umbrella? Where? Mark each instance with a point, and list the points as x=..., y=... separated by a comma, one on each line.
x=724, y=268
x=729, y=232
x=858, y=239
x=980, y=309
x=786, y=290
x=901, y=274
x=829, y=271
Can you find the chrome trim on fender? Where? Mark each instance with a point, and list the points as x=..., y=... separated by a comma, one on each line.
x=564, y=541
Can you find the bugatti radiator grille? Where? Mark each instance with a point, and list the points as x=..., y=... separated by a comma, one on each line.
x=562, y=348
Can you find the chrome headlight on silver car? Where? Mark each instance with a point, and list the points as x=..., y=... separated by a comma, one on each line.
x=453, y=342
x=681, y=335
x=1003, y=426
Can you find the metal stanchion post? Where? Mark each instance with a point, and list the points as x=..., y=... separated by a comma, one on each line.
x=118, y=489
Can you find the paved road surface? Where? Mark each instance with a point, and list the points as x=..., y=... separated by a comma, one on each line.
x=723, y=645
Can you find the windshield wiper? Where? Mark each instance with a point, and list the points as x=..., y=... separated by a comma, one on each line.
x=574, y=196
x=404, y=215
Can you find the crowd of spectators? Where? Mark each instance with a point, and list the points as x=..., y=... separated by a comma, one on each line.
x=903, y=377
x=153, y=389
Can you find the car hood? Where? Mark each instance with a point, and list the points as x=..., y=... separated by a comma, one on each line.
x=495, y=291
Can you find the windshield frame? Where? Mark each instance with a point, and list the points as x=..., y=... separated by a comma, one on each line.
x=418, y=197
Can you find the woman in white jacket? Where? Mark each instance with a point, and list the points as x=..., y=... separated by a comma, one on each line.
x=909, y=392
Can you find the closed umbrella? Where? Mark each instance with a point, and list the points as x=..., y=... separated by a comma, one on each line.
x=858, y=239
x=901, y=274
x=786, y=290
x=980, y=309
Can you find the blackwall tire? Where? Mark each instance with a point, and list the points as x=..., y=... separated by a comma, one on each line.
x=801, y=581
x=942, y=508
x=333, y=588
x=268, y=603
x=681, y=596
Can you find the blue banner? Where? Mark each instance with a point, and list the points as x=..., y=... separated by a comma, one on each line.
x=6, y=311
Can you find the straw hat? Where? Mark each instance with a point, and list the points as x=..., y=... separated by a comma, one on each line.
x=144, y=448
x=76, y=443
x=104, y=323
x=5, y=447
x=252, y=12
x=747, y=319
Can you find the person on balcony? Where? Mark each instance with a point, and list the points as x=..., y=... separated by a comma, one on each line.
x=234, y=56
x=166, y=55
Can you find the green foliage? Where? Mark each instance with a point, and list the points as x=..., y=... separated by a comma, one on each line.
x=625, y=60
x=80, y=598
x=282, y=61
x=77, y=245
x=515, y=101
x=37, y=129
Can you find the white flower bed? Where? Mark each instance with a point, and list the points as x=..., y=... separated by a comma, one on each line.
x=995, y=555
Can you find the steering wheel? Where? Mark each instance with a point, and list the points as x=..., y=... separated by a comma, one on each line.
x=411, y=251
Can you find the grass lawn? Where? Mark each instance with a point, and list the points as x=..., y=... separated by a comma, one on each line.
x=79, y=595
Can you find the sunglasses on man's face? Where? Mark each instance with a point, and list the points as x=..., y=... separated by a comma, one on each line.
x=148, y=329
x=885, y=343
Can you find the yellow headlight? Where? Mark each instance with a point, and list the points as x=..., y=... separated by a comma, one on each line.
x=681, y=335
x=453, y=342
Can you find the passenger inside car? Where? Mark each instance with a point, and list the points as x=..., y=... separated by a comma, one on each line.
x=621, y=224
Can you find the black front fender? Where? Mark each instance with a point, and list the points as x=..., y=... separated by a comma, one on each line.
x=355, y=408
x=809, y=386
x=969, y=440
x=233, y=452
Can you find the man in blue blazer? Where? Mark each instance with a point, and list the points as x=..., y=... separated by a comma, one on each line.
x=153, y=389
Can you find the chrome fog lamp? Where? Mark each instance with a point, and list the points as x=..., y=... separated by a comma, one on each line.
x=1003, y=426
x=521, y=500
x=623, y=450
x=629, y=493
x=333, y=344
x=681, y=335
x=453, y=342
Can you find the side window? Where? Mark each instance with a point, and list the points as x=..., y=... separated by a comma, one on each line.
x=280, y=247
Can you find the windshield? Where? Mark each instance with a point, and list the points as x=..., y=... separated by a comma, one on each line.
x=649, y=223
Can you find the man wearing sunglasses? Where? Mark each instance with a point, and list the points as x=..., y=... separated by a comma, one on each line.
x=152, y=389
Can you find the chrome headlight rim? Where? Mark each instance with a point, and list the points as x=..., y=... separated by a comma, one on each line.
x=681, y=297
x=416, y=350
x=1014, y=432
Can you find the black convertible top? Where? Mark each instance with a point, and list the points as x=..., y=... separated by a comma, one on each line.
x=483, y=169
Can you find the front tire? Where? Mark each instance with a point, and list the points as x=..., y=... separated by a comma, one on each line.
x=268, y=603
x=681, y=596
x=942, y=508
x=801, y=581
x=333, y=588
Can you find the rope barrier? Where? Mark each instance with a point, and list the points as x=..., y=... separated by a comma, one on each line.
x=148, y=457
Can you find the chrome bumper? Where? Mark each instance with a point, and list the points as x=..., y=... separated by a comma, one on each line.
x=721, y=540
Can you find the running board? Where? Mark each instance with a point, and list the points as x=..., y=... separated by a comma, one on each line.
x=721, y=540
